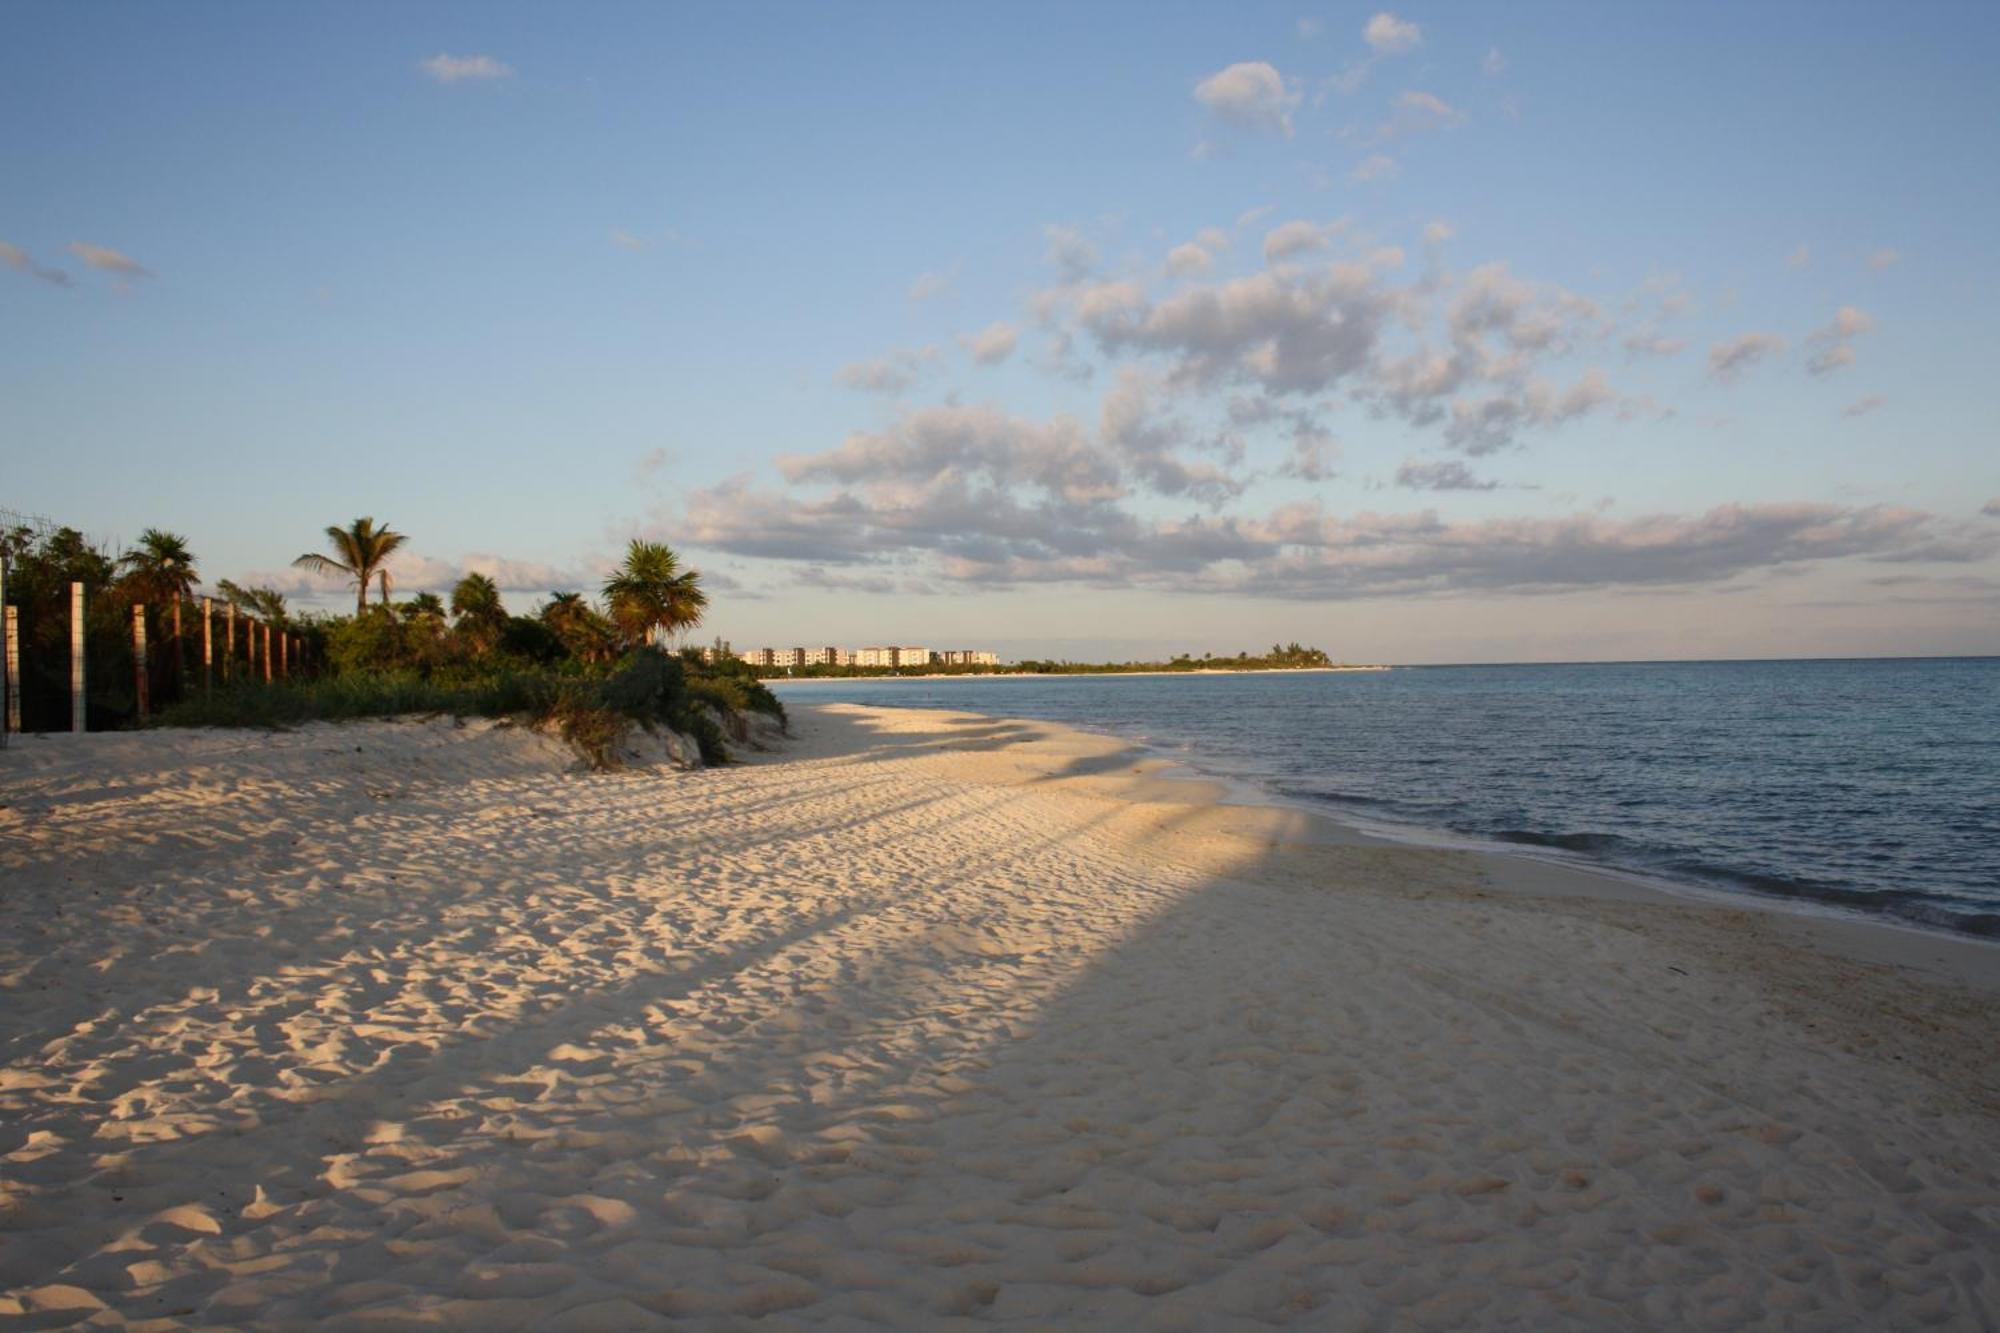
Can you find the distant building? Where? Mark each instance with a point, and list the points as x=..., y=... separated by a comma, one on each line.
x=874, y=657
x=909, y=657
x=828, y=657
x=968, y=657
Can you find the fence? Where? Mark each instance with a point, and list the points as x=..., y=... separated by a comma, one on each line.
x=79, y=657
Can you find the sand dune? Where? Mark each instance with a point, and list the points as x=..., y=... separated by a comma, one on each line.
x=932, y=1019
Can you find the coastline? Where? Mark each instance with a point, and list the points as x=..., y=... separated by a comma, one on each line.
x=931, y=1018
x=1065, y=675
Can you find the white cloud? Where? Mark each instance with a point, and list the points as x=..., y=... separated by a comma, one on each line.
x=1391, y=35
x=1250, y=95
x=992, y=344
x=930, y=286
x=1375, y=167
x=892, y=374
x=1831, y=344
x=1189, y=258
x=1438, y=232
x=626, y=240
x=1417, y=112
x=1292, y=238
x=108, y=261
x=1072, y=256
x=1884, y=258
x=455, y=69
x=1861, y=407
x=1728, y=360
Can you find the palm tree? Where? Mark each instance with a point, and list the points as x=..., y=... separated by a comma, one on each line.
x=161, y=569
x=584, y=633
x=267, y=603
x=475, y=603
x=650, y=593
x=358, y=552
x=424, y=606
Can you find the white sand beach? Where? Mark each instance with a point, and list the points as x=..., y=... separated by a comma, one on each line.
x=928, y=1020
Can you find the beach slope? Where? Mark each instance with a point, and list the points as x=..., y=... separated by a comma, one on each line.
x=932, y=1018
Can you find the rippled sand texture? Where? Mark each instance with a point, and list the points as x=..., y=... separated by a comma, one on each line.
x=932, y=1019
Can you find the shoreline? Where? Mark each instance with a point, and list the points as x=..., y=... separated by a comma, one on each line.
x=926, y=1019
x=1066, y=675
x=1718, y=892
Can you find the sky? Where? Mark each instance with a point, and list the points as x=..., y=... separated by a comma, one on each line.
x=1427, y=334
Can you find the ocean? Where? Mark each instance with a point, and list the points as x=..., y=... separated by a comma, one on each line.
x=1868, y=786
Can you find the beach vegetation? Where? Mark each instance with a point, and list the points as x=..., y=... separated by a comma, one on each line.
x=358, y=551
x=650, y=595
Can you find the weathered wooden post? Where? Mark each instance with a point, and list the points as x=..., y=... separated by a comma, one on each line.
x=140, y=686
x=7, y=662
x=267, y=652
x=13, y=669
x=228, y=642
x=207, y=644
x=180, y=652
x=284, y=655
x=76, y=708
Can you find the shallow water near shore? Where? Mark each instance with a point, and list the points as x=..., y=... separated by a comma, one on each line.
x=1868, y=785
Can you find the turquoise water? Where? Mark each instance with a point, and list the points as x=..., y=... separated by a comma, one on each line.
x=1871, y=785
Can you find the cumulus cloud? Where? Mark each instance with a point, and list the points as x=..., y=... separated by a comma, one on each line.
x=890, y=374
x=1446, y=475
x=412, y=572
x=930, y=286
x=952, y=528
x=1416, y=112
x=1071, y=255
x=1884, y=258
x=1861, y=407
x=1183, y=260
x=1292, y=238
x=1374, y=167
x=1391, y=35
x=1438, y=232
x=458, y=69
x=1832, y=345
x=1250, y=95
x=14, y=257
x=992, y=344
x=109, y=261
x=1727, y=361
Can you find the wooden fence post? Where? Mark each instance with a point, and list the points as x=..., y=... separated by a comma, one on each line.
x=250, y=647
x=207, y=644
x=76, y=705
x=6, y=663
x=141, y=687
x=180, y=652
x=284, y=656
x=228, y=642
x=14, y=669
x=267, y=652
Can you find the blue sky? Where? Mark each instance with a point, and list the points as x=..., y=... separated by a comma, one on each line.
x=1433, y=333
